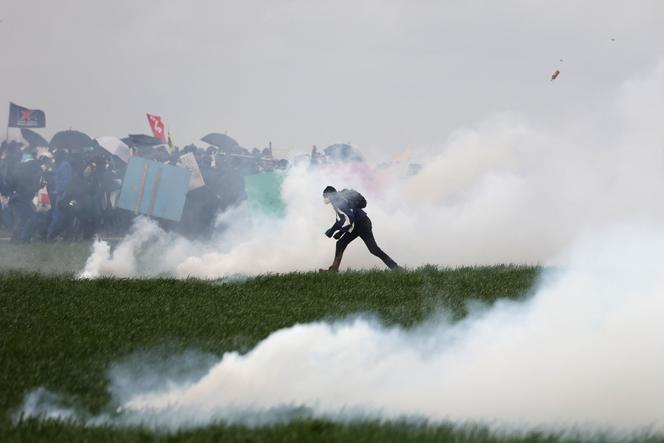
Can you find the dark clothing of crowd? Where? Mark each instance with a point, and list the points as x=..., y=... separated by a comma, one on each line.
x=82, y=186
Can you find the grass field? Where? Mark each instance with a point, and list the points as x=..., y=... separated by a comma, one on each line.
x=64, y=334
x=47, y=258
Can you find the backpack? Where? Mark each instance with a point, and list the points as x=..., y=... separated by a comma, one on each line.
x=355, y=199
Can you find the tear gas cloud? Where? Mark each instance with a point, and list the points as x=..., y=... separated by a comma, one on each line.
x=507, y=190
x=583, y=351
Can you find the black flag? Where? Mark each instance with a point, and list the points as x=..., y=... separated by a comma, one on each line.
x=20, y=117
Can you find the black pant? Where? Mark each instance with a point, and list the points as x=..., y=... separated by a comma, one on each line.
x=362, y=229
x=25, y=218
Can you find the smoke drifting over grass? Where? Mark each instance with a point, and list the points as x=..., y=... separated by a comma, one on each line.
x=506, y=190
x=585, y=350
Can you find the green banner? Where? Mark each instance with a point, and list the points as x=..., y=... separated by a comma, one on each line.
x=264, y=192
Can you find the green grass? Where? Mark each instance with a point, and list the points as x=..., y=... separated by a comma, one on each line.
x=58, y=257
x=49, y=258
x=64, y=334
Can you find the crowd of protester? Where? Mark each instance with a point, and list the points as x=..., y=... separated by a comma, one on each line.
x=48, y=194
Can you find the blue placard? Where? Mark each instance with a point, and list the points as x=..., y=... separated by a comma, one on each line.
x=154, y=189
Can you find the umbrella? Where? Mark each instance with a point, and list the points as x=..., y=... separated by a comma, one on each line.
x=343, y=152
x=73, y=140
x=33, y=138
x=221, y=141
x=115, y=146
x=135, y=140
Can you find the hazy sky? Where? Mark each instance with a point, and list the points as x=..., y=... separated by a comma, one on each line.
x=381, y=74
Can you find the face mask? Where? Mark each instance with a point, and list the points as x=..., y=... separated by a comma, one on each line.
x=326, y=200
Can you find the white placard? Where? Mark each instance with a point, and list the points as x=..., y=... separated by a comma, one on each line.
x=188, y=161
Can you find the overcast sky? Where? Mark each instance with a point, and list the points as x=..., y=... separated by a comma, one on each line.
x=383, y=75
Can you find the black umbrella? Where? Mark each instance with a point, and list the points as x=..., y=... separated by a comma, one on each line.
x=134, y=140
x=343, y=152
x=33, y=138
x=221, y=141
x=73, y=140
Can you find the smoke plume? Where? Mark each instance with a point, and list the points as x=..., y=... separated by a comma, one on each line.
x=504, y=190
x=584, y=351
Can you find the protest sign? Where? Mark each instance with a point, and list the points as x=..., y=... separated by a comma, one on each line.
x=154, y=189
x=188, y=161
x=264, y=192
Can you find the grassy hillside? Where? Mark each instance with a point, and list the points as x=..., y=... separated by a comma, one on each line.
x=64, y=334
x=46, y=258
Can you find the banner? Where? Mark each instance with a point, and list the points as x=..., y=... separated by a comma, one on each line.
x=21, y=117
x=188, y=161
x=154, y=189
x=157, y=127
x=264, y=192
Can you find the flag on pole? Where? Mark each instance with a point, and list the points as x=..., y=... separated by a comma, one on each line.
x=21, y=117
x=157, y=127
x=171, y=145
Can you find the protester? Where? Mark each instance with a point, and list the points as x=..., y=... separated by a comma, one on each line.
x=83, y=192
x=84, y=185
x=62, y=209
x=351, y=222
x=80, y=189
x=10, y=157
x=24, y=182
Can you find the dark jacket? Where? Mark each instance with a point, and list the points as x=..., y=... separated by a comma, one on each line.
x=26, y=180
x=347, y=216
x=63, y=177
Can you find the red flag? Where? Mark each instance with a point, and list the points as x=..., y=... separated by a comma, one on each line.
x=157, y=127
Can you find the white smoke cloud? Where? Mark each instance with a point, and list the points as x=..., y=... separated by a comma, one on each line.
x=584, y=351
x=504, y=190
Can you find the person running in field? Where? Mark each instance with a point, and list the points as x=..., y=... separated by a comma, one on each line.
x=352, y=222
